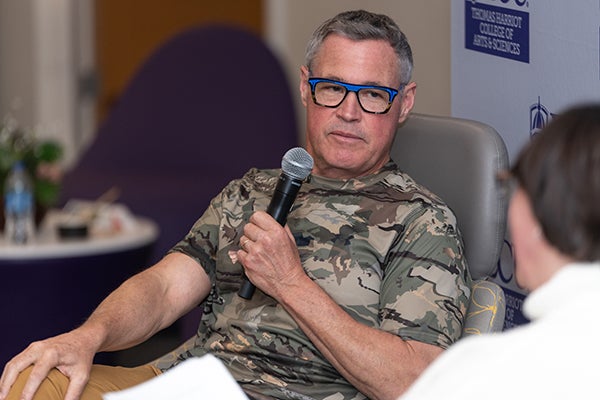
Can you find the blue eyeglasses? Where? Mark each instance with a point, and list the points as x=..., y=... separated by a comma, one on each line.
x=372, y=99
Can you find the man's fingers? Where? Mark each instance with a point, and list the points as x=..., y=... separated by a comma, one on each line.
x=43, y=360
x=61, y=352
x=38, y=373
x=263, y=220
x=7, y=380
x=13, y=368
x=289, y=233
x=77, y=383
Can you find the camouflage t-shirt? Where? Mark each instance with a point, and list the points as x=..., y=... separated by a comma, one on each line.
x=384, y=248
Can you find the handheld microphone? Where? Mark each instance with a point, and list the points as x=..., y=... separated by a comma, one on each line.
x=296, y=165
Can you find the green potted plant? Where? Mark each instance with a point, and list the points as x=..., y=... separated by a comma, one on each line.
x=41, y=159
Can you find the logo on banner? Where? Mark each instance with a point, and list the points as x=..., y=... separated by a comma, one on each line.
x=513, y=293
x=539, y=116
x=496, y=30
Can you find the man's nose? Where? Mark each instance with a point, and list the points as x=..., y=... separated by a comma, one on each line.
x=350, y=108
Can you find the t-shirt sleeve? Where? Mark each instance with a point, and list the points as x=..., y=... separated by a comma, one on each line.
x=426, y=285
x=201, y=242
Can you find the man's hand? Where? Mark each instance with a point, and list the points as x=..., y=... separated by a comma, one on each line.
x=71, y=353
x=269, y=255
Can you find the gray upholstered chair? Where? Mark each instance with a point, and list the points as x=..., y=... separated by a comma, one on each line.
x=459, y=159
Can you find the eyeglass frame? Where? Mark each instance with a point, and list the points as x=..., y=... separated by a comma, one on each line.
x=354, y=88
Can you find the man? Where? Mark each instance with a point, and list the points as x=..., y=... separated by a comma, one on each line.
x=360, y=291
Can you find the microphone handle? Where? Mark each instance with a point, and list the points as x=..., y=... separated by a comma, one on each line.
x=283, y=198
x=279, y=208
x=247, y=289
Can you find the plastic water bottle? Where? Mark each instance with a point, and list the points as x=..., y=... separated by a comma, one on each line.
x=18, y=206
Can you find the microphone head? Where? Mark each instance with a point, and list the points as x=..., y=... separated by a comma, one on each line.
x=297, y=163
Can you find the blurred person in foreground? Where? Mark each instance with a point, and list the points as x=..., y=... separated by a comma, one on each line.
x=554, y=220
x=362, y=289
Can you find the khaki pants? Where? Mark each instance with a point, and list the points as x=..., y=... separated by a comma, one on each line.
x=103, y=379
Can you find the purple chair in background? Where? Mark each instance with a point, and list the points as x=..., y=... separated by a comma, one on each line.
x=208, y=105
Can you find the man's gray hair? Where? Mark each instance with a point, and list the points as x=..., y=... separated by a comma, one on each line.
x=364, y=25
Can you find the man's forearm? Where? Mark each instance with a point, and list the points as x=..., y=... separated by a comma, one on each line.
x=147, y=302
x=381, y=365
x=129, y=315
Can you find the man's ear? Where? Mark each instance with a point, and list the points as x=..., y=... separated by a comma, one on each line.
x=407, y=101
x=304, y=88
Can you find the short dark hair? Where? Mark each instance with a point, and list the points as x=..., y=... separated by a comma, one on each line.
x=559, y=170
x=364, y=25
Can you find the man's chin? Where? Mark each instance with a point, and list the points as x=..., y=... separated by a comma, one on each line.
x=345, y=169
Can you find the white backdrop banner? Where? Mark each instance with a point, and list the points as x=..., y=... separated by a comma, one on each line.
x=515, y=64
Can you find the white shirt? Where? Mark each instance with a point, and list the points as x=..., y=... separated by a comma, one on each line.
x=555, y=356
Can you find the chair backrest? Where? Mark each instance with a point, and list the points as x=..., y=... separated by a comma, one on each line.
x=206, y=106
x=459, y=159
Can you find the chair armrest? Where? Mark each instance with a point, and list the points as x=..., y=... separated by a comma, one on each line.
x=486, y=310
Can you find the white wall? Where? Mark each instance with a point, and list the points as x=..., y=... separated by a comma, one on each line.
x=46, y=51
x=16, y=60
